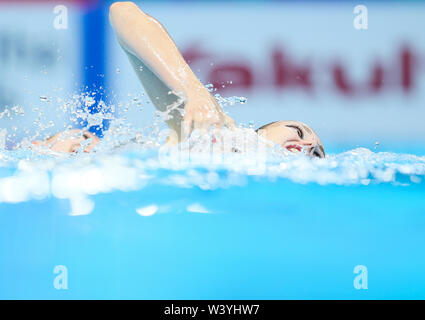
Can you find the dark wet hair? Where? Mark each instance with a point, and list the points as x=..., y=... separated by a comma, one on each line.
x=265, y=126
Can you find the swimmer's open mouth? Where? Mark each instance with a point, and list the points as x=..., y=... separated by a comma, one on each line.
x=294, y=148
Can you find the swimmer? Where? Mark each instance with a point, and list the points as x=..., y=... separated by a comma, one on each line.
x=70, y=141
x=176, y=91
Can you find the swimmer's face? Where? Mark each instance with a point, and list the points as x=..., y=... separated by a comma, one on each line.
x=294, y=136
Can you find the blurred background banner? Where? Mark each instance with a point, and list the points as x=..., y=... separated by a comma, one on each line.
x=303, y=60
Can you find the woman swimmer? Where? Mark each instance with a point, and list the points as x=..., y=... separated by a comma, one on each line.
x=174, y=88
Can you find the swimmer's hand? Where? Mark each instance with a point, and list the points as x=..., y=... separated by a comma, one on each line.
x=202, y=112
x=70, y=141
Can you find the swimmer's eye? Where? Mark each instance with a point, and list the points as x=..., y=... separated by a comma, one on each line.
x=85, y=136
x=299, y=131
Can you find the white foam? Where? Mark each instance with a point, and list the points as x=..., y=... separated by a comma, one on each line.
x=81, y=205
x=80, y=178
x=197, y=207
x=148, y=211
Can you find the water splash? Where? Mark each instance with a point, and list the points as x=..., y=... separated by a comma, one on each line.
x=223, y=101
x=130, y=158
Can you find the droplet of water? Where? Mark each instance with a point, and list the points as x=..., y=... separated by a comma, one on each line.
x=95, y=119
x=242, y=100
x=18, y=110
x=89, y=101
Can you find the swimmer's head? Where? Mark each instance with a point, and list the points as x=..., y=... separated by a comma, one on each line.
x=294, y=136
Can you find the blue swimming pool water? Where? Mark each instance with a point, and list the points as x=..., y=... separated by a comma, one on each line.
x=198, y=232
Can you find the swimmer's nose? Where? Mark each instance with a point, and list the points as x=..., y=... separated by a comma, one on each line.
x=316, y=152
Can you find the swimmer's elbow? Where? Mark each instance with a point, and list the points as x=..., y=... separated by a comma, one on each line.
x=116, y=9
x=121, y=5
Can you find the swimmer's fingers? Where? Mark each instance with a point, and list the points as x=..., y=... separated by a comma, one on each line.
x=209, y=122
x=193, y=121
x=187, y=126
x=204, y=119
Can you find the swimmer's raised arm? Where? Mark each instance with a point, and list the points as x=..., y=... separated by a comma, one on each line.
x=175, y=90
x=170, y=83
